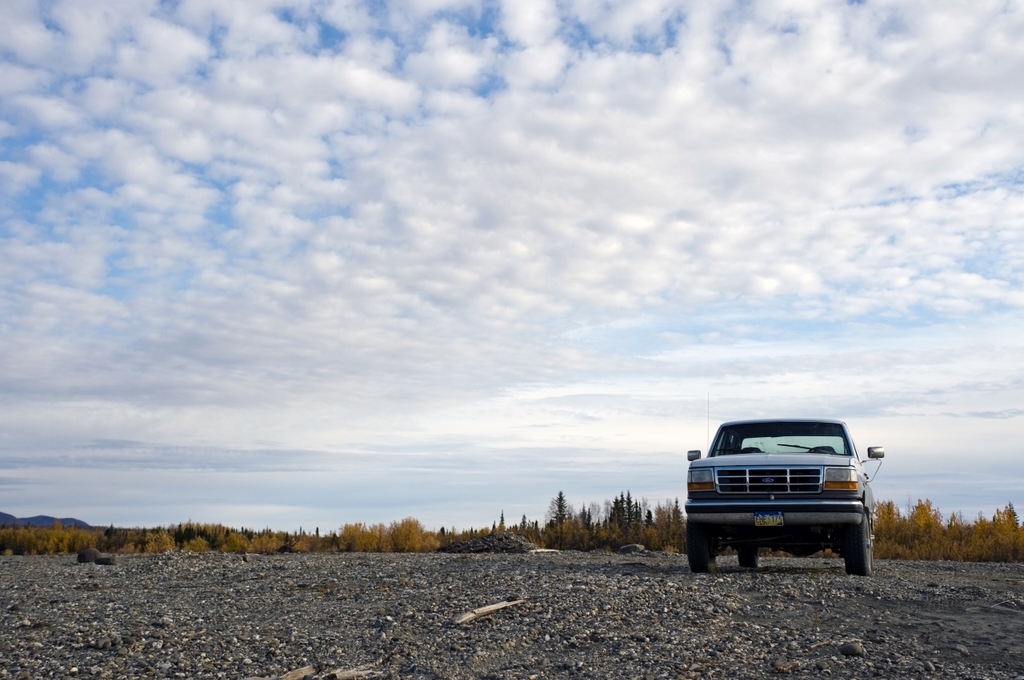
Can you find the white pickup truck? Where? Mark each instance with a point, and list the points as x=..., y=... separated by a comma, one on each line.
x=792, y=485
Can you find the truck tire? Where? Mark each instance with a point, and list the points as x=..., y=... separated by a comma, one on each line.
x=698, y=548
x=748, y=557
x=858, y=548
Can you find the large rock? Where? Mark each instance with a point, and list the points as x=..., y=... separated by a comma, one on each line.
x=851, y=649
x=89, y=555
x=505, y=542
x=632, y=549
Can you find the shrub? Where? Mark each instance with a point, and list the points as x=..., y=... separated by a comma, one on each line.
x=197, y=544
x=409, y=536
x=158, y=541
x=236, y=543
x=265, y=543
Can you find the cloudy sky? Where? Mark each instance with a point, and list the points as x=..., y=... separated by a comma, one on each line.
x=283, y=263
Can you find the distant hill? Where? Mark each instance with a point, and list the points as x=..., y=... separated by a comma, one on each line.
x=40, y=521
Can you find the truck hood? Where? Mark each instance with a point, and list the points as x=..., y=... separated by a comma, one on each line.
x=773, y=460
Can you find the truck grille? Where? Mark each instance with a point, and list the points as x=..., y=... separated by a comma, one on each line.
x=768, y=480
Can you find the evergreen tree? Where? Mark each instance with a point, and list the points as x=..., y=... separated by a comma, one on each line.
x=559, y=510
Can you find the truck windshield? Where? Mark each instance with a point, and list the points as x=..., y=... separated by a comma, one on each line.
x=781, y=437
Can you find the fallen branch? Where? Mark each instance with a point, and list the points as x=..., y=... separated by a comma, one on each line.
x=364, y=671
x=299, y=673
x=484, y=611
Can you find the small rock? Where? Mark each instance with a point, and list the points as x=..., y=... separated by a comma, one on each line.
x=785, y=665
x=632, y=549
x=88, y=555
x=851, y=649
x=929, y=666
x=960, y=648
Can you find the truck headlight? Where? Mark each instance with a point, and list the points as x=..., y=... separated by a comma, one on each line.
x=841, y=479
x=701, y=480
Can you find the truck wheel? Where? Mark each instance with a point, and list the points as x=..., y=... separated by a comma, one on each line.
x=748, y=557
x=698, y=548
x=858, y=550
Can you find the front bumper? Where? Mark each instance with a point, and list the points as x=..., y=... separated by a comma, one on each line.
x=794, y=512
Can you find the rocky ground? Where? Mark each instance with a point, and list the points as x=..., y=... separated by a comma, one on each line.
x=586, y=615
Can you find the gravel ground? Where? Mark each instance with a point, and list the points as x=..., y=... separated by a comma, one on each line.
x=585, y=615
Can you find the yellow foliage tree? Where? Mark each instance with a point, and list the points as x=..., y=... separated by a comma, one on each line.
x=197, y=544
x=159, y=541
x=236, y=542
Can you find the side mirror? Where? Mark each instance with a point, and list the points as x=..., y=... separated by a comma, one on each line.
x=695, y=455
x=876, y=452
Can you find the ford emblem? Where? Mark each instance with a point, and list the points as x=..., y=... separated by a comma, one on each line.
x=768, y=480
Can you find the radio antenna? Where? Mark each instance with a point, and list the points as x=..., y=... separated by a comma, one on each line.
x=707, y=434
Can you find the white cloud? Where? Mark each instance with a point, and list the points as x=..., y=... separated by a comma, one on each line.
x=536, y=65
x=530, y=22
x=23, y=34
x=15, y=79
x=424, y=8
x=49, y=112
x=623, y=21
x=450, y=57
x=159, y=53
x=62, y=166
x=17, y=176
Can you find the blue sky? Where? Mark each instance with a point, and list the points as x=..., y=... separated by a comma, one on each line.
x=307, y=263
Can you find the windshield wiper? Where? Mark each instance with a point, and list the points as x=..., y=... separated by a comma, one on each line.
x=812, y=449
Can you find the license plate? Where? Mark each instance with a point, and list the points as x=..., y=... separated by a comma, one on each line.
x=768, y=519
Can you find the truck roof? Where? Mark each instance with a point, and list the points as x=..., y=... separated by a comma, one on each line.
x=785, y=420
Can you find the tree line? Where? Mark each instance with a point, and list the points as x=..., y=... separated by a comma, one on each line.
x=917, y=533
x=921, y=533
